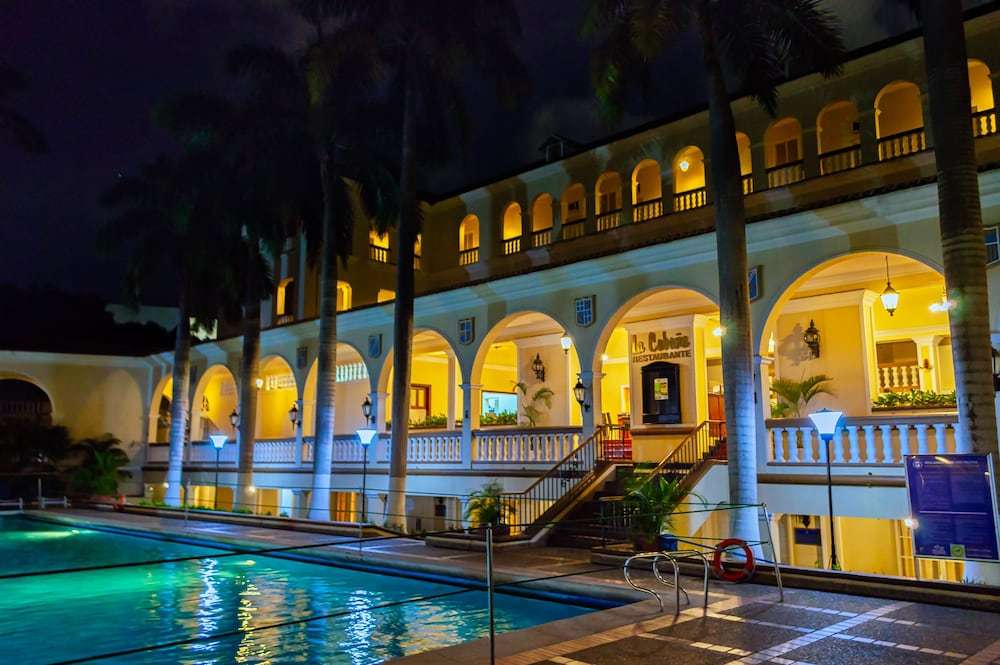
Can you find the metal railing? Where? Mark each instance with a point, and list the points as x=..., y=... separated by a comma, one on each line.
x=555, y=487
x=842, y=159
x=573, y=229
x=379, y=254
x=646, y=210
x=609, y=220
x=691, y=199
x=511, y=245
x=984, y=123
x=901, y=144
x=467, y=257
x=541, y=238
x=704, y=442
x=785, y=174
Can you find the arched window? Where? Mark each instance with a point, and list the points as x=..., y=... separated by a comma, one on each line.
x=468, y=241
x=512, y=229
x=899, y=120
x=541, y=221
x=284, y=301
x=783, y=152
x=574, y=211
x=343, y=296
x=689, y=179
x=647, y=191
x=378, y=247
x=746, y=162
x=984, y=118
x=837, y=137
x=608, y=198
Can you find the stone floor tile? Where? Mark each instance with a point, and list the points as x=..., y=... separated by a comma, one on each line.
x=783, y=614
x=642, y=651
x=848, y=652
x=950, y=617
x=752, y=637
x=923, y=636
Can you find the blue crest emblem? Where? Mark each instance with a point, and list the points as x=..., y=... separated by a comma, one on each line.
x=584, y=311
x=374, y=345
x=467, y=330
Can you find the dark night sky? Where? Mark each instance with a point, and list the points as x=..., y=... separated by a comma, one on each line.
x=96, y=67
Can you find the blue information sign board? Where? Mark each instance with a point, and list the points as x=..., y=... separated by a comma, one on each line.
x=953, y=506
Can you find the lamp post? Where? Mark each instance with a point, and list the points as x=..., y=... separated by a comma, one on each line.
x=826, y=422
x=219, y=442
x=366, y=435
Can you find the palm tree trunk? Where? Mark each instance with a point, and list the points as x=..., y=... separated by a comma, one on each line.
x=402, y=328
x=179, y=404
x=249, y=371
x=734, y=297
x=961, y=225
x=326, y=362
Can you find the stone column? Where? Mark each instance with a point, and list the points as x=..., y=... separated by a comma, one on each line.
x=471, y=406
x=810, y=151
x=298, y=433
x=587, y=379
x=762, y=403
x=379, y=403
x=300, y=279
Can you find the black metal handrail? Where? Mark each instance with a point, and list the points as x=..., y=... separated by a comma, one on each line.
x=563, y=482
x=841, y=159
x=702, y=443
x=901, y=144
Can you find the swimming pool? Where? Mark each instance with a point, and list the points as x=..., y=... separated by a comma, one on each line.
x=51, y=618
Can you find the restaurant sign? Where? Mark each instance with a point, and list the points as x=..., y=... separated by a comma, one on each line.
x=660, y=345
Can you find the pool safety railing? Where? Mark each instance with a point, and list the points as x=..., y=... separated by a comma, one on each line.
x=654, y=558
x=12, y=505
x=48, y=502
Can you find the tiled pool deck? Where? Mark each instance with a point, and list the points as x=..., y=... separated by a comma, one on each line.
x=744, y=623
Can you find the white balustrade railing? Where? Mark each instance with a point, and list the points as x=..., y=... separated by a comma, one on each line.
x=347, y=449
x=203, y=452
x=428, y=448
x=274, y=451
x=537, y=446
x=899, y=377
x=873, y=440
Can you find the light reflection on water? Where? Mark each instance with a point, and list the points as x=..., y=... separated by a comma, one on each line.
x=110, y=610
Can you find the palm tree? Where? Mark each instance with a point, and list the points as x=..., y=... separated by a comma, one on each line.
x=794, y=396
x=162, y=221
x=13, y=125
x=427, y=50
x=749, y=43
x=961, y=223
x=340, y=133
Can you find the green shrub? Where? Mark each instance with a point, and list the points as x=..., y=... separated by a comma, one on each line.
x=502, y=418
x=430, y=422
x=926, y=399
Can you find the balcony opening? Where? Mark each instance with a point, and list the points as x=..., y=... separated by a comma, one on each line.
x=783, y=152
x=984, y=118
x=899, y=121
x=512, y=229
x=608, y=199
x=215, y=397
x=468, y=241
x=352, y=388
x=378, y=247
x=343, y=296
x=435, y=385
x=284, y=301
x=647, y=191
x=276, y=395
x=574, y=211
x=541, y=221
x=838, y=138
x=746, y=162
x=689, y=179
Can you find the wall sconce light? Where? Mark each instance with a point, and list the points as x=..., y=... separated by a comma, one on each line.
x=259, y=382
x=293, y=415
x=565, y=342
x=718, y=331
x=684, y=164
x=942, y=305
x=811, y=338
x=366, y=409
x=538, y=367
x=890, y=296
x=580, y=392
x=234, y=418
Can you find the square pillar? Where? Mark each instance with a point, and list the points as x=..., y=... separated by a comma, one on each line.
x=472, y=397
x=452, y=389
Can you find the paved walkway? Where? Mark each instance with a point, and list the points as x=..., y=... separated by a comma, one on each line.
x=743, y=624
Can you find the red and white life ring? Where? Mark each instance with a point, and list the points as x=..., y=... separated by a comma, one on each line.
x=733, y=575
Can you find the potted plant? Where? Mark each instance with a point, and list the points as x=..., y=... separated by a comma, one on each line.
x=794, y=396
x=530, y=407
x=99, y=468
x=487, y=506
x=652, y=503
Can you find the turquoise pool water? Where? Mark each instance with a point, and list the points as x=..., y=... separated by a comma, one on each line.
x=50, y=618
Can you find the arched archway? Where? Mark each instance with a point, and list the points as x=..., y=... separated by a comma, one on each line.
x=783, y=152
x=984, y=119
x=541, y=221
x=838, y=140
x=574, y=211
x=647, y=191
x=468, y=241
x=511, y=229
x=899, y=120
x=525, y=348
x=23, y=399
x=353, y=386
x=215, y=398
x=832, y=321
x=689, y=179
x=277, y=394
x=666, y=330
x=746, y=161
x=608, y=200
x=435, y=383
